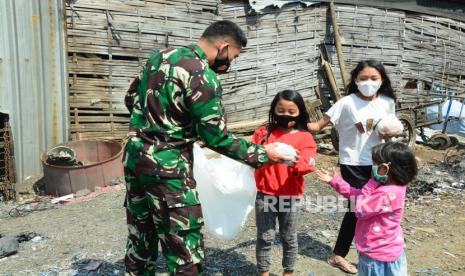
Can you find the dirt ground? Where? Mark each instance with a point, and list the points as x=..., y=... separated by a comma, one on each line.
x=79, y=237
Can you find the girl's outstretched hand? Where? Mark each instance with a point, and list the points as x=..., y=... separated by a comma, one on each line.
x=325, y=175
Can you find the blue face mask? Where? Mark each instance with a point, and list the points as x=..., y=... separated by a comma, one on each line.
x=377, y=177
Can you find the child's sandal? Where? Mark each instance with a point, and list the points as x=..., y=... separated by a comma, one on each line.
x=342, y=264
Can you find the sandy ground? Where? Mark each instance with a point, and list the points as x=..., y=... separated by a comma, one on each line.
x=80, y=235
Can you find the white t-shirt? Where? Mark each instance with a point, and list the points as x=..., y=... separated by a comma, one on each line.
x=355, y=120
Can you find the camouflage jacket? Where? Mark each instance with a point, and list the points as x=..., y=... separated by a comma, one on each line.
x=176, y=101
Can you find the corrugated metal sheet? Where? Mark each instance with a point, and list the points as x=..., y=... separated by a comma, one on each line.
x=33, y=88
x=453, y=9
x=259, y=5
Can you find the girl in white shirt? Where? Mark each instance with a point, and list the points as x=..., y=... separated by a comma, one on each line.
x=370, y=98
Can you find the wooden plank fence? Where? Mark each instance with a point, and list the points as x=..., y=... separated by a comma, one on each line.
x=367, y=33
x=281, y=54
x=416, y=49
x=110, y=40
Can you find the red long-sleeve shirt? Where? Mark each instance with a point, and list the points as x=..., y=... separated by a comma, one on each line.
x=283, y=180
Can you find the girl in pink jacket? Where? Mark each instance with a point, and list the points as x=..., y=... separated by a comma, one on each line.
x=379, y=207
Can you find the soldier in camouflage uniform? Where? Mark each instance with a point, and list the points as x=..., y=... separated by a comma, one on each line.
x=176, y=101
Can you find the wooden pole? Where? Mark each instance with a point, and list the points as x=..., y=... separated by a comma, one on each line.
x=333, y=90
x=324, y=100
x=337, y=40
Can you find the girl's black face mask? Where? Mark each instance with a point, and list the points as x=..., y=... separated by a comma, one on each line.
x=282, y=121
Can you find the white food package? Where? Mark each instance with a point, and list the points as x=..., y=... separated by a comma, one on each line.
x=227, y=193
x=390, y=126
x=287, y=151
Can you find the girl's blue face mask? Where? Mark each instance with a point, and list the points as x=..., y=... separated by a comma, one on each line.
x=378, y=177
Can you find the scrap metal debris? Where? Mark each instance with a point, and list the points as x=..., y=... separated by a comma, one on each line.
x=27, y=236
x=94, y=267
x=62, y=156
x=38, y=203
x=439, y=178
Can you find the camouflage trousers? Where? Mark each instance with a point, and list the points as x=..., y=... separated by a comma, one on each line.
x=157, y=211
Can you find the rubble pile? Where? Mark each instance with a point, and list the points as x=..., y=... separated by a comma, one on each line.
x=439, y=178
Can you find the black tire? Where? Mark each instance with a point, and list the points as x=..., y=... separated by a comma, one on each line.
x=409, y=134
x=335, y=139
x=439, y=141
x=454, y=141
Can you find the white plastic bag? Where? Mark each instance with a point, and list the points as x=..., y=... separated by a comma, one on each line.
x=227, y=193
x=287, y=151
x=390, y=126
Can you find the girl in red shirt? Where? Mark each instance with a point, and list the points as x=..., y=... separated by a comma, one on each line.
x=280, y=187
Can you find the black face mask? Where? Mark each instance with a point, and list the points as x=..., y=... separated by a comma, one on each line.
x=221, y=63
x=283, y=121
